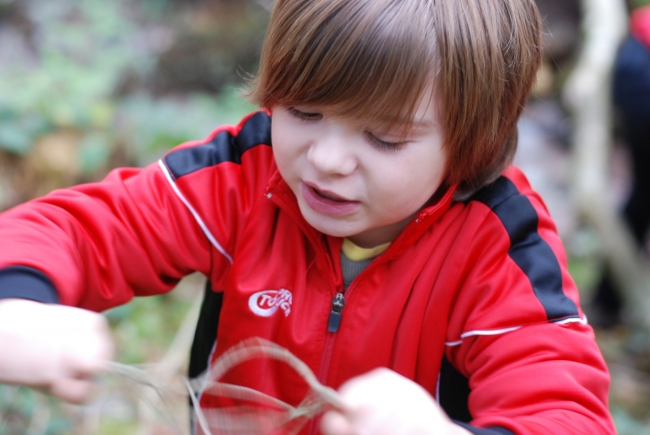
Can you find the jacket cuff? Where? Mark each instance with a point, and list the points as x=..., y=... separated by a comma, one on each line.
x=22, y=282
x=484, y=431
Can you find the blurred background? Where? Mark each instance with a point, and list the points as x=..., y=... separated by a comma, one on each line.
x=88, y=86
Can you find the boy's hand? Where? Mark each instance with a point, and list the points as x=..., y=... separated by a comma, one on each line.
x=382, y=402
x=53, y=347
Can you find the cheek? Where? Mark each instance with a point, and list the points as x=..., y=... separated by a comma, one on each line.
x=430, y=169
x=411, y=184
x=288, y=159
x=403, y=191
x=283, y=160
x=282, y=148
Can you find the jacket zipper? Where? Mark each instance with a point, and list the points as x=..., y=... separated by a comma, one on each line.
x=334, y=321
x=336, y=312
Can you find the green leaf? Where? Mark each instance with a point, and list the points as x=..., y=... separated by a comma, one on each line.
x=94, y=152
x=14, y=139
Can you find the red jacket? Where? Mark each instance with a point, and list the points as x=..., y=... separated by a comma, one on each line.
x=640, y=25
x=472, y=299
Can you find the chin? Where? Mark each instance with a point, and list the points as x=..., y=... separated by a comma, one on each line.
x=334, y=229
x=334, y=232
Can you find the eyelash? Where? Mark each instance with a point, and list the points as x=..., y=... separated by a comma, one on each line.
x=304, y=116
x=383, y=145
x=375, y=141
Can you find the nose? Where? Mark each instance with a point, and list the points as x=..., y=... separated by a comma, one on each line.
x=333, y=154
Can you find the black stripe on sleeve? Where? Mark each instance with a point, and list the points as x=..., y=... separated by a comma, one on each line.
x=206, y=331
x=453, y=396
x=486, y=431
x=453, y=392
x=223, y=148
x=527, y=249
x=22, y=282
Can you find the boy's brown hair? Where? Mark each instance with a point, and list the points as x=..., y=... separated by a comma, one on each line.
x=372, y=59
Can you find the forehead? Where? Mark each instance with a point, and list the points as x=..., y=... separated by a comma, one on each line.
x=412, y=116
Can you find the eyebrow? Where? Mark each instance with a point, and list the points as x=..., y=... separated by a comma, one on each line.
x=412, y=125
x=402, y=121
x=424, y=124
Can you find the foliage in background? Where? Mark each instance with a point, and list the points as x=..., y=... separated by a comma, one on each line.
x=90, y=85
x=639, y=3
x=68, y=77
x=86, y=86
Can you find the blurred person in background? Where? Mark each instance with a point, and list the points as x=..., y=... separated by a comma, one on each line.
x=631, y=92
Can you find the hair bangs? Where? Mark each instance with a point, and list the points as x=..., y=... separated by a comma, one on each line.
x=368, y=60
x=374, y=61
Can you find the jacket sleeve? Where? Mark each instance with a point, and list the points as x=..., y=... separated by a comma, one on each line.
x=517, y=333
x=137, y=232
x=539, y=379
x=100, y=244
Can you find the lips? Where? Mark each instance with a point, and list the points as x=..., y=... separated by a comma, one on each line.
x=326, y=202
x=330, y=196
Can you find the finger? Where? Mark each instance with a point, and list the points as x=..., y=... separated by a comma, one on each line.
x=335, y=423
x=87, y=356
x=75, y=391
x=90, y=363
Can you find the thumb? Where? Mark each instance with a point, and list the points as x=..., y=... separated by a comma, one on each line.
x=72, y=390
x=335, y=423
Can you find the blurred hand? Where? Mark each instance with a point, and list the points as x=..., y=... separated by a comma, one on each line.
x=53, y=347
x=382, y=402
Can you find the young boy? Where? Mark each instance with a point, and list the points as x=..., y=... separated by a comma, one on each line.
x=383, y=230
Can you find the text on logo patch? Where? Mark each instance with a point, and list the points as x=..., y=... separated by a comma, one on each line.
x=267, y=302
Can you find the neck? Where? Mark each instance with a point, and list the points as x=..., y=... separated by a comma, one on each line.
x=378, y=236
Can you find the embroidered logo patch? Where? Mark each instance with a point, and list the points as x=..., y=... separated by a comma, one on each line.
x=267, y=302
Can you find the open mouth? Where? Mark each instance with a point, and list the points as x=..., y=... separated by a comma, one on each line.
x=327, y=202
x=329, y=196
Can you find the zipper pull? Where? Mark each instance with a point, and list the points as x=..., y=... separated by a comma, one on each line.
x=335, y=315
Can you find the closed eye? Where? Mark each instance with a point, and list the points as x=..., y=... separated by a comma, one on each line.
x=304, y=116
x=384, y=145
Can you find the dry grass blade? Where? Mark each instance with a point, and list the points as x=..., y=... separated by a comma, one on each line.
x=257, y=413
